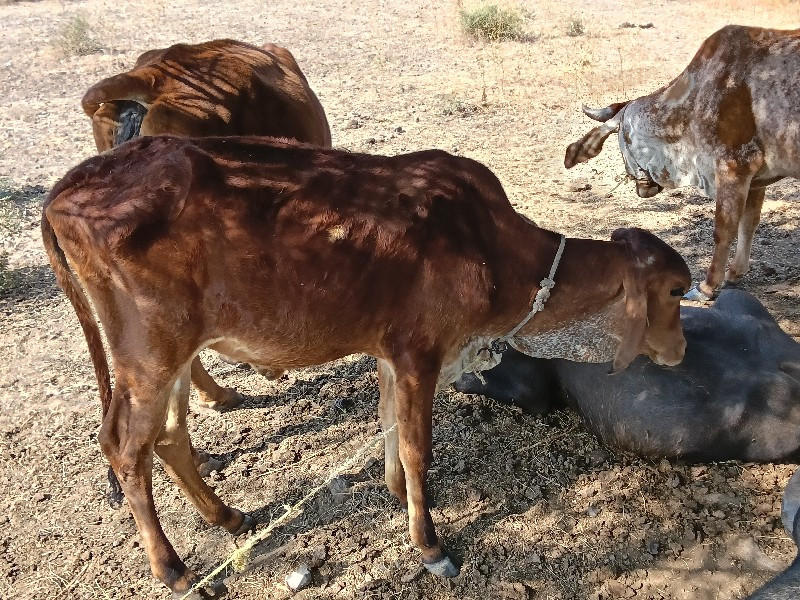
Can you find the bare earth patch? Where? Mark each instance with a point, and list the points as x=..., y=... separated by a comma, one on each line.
x=535, y=507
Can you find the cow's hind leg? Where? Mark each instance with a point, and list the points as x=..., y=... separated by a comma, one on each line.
x=394, y=473
x=127, y=436
x=174, y=448
x=744, y=240
x=414, y=390
x=211, y=395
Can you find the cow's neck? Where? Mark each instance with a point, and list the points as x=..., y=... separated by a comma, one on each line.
x=588, y=281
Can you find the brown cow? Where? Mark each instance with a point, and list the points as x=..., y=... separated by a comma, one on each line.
x=222, y=87
x=284, y=255
x=729, y=124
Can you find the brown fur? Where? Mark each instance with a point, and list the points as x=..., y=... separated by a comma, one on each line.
x=282, y=255
x=221, y=87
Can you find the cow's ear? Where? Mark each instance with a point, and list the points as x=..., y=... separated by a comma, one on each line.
x=634, y=324
x=591, y=144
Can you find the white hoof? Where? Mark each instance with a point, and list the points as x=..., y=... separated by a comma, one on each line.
x=697, y=295
x=442, y=568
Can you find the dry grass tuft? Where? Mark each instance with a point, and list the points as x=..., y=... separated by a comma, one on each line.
x=77, y=37
x=492, y=23
x=576, y=27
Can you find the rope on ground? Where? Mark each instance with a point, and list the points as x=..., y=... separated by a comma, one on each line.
x=240, y=558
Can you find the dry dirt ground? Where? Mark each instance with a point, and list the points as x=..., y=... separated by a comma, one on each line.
x=535, y=507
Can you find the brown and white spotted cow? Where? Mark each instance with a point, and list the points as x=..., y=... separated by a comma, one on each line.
x=729, y=124
x=221, y=87
x=285, y=255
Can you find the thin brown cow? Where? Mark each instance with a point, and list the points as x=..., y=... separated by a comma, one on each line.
x=221, y=87
x=283, y=255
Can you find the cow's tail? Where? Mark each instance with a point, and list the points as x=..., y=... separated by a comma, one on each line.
x=68, y=282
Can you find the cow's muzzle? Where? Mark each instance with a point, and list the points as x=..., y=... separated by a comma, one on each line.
x=645, y=188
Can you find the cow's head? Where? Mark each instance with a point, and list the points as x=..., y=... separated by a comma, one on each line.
x=591, y=144
x=655, y=279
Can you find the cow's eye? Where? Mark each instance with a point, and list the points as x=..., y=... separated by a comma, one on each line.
x=677, y=292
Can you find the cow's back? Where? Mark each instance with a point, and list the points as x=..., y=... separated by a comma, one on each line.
x=305, y=239
x=747, y=86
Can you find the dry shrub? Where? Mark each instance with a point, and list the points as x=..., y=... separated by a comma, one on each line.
x=575, y=27
x=77, y=37
x=490, y=22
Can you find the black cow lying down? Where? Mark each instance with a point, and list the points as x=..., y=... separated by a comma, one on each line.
x=736, y=395
x=786, y=586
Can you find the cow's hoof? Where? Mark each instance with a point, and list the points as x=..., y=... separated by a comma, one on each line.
x=443, y=567
x=232, y=399
x=248, y=524
x=210, y=591
x=697, y=295
x=212, y=464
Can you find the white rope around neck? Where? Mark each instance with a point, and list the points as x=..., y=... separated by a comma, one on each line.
x=547, y=284
x=483, y=358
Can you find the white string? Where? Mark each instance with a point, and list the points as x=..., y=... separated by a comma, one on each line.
x=240, y=557
x=543, y=294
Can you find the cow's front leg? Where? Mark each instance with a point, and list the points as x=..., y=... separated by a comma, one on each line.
x=414, y=390
x=733, y=186
x=744, y=240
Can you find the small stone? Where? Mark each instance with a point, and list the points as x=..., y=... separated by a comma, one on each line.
x=475, y=495
x=768, y=270
x=371, y=462
x=653, y=548
x=40, y=497
x=352, y=124
x=534, y=492
x=579, y=185
x=597, y=457
x=593, y=511
x=299, y=578
x=86, y=555
x=399, y=129
x=318, y=556
x=460, y=467
x=371, y=140
x=763, y=508
x=216, y=476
